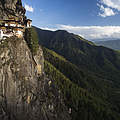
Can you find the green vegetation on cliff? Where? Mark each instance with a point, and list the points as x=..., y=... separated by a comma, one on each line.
x=32, y=39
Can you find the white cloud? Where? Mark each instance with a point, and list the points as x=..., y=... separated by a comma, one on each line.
x=29, y=8
x=48, y=28
x=108, y=7
x=106, y=11
x=112, y=3
x=91, y=32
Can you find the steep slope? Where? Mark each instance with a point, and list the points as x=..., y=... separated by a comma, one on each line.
x=88, y=96
x=83, y=66
x=113, y=44
x=25, y=92
x=77, y=75
x=101, y=61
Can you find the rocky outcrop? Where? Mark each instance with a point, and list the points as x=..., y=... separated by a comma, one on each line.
x=25, y=91
x=12, y=8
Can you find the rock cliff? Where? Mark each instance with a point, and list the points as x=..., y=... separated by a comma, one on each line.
x=11, y=8
x=25, y=91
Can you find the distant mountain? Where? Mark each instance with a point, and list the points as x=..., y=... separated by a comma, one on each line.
x=113, y=44
x=100, y=60
x=88, y=75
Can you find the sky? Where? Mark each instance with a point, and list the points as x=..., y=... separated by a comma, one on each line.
x=91, y=19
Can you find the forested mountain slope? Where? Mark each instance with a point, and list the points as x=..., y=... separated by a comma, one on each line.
x=102, y=61
x=87, y=75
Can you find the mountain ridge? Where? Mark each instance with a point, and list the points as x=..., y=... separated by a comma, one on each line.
x=113, y=44
x=70, y=55
x=80, y=52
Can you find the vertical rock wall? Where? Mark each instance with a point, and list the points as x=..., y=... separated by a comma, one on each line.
x=11, y=8
x=25, y=91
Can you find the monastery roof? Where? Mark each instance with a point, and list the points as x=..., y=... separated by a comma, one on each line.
x=11, y=18
x=11, y=27
x=11, y=21
x=2, y=27
x=18, y=29
x=29, y=20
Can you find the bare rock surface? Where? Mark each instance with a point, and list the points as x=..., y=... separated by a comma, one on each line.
x=11, y=8
x=25, y=92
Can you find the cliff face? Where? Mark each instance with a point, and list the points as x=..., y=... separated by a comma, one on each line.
x=25, y=91
x=11, y=8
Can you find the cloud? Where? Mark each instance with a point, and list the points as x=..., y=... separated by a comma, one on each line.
x=108, y=7
x=106, y=11
x=91, y=32
x=112, y=3
x=49, y=28
x=29, y=8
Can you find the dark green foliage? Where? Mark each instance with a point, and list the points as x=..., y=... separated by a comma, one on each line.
x=32, y=39
x=99, y=60
x=77, y=75
x=87, y=75
x=84, y=105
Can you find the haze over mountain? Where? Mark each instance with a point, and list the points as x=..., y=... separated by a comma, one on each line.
x=113, y=44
